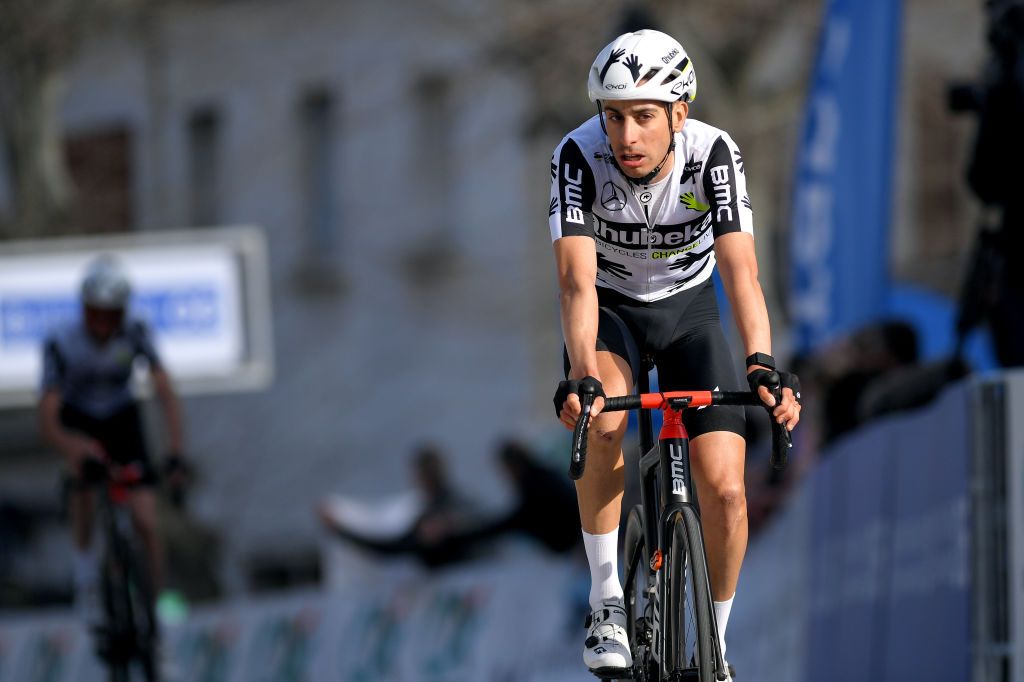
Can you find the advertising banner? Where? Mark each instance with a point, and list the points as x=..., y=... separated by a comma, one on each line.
x=841, y=194
x=204, y=295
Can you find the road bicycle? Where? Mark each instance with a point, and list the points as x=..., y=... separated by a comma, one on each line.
x=670, y=614
x=128, y=636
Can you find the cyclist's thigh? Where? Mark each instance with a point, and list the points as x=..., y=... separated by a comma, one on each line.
x=618, y=361
x=125, y=442
x=613, y=336
x=700, y=360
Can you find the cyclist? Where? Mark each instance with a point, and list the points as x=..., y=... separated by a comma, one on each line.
x=87, y=411
x=644, y=202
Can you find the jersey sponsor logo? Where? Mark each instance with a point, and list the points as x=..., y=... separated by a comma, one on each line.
x=553, y=206
x=746, y=202
x=639, y=236
x=689, y=200
x=573, y=191
x=739, y=160
x=613, y=197
x=645, y=197
x=690, y=170
x=723, y=191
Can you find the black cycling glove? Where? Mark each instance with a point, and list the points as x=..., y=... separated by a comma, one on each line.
x=759, y=377
x=587, y=385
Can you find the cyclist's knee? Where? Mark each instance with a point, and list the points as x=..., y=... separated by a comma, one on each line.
x=608, y=430
x=730, y=497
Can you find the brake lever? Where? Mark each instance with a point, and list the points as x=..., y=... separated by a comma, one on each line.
x=782, y=440
x=578, y=461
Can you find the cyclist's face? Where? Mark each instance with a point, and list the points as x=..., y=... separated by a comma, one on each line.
x=102, y=323
x=638, y=131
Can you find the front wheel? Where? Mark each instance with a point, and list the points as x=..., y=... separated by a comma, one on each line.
x=639, y=612
x=690, y=633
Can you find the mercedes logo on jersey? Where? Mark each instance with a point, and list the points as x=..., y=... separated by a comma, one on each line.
x=613, y=197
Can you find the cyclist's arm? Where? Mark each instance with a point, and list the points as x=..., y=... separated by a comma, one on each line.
x=737, y=263
x=70, y=444
x=170, y=406
x=576, y=262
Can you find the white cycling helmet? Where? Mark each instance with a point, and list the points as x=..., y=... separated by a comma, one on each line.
x=646, y=64
x=106, y=284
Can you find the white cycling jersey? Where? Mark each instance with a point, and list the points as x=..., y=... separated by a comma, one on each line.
x=644, y=255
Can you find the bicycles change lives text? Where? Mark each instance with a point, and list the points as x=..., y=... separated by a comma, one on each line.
x=670, y=616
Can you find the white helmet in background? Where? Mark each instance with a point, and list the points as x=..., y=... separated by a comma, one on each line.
x=646, y=64
x=106, y=285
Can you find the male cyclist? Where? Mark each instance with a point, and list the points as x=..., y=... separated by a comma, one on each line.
x=87, y=411
x=644, y=202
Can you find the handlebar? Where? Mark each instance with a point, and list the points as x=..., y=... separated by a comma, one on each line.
x=678, y=400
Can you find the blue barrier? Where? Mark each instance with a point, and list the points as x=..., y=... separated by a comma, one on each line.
x=879, y=534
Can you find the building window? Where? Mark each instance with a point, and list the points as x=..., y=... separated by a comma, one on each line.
x=319, y=172
x=434, y=144
x=204, y=159
x=100, y=167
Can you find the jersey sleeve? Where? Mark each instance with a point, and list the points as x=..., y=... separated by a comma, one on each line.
x=572, y=193
x=142, y=342
x=54, y=365
x=725, y=186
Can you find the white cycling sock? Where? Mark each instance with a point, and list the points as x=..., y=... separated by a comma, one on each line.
x=602, y=555
x=722, y=611
x=85, y=568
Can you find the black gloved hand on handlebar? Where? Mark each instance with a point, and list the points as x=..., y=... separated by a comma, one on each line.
x=587, y=385
x=761, y=377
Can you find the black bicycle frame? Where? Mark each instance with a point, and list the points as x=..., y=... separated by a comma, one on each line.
x=666, y=486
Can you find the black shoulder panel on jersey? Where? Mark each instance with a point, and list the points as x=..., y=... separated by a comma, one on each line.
x=576, y=191
x=138, y=335
x=721, y=189
x=53, y=357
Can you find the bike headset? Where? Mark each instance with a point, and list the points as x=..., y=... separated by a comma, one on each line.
x=669, y=78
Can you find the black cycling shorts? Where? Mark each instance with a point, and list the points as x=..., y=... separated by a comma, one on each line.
x=120, y=434
x=683, y=335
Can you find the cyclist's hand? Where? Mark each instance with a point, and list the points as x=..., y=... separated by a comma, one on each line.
x=567, y=399
x=788, y=412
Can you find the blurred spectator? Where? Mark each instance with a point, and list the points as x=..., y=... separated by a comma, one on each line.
x=439, y=510
x=851, y=365
x=545, y=507
x=447, y=531
x=994, y=289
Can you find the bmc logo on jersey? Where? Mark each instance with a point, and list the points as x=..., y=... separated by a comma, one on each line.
x=573, y=190
x=723, y=191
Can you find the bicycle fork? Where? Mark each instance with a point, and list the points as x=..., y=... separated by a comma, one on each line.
x=667, y=486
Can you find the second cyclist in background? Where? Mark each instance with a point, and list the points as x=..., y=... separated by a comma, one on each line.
x=87, y=410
